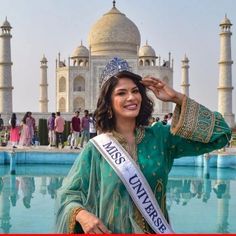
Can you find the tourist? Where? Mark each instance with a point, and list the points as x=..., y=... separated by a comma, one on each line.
x=92, y=126
x=51, y=129
x=151, y=121
x=164, y=121
x=33, y=127
x=169, y=118
x=26, y=130
x=75, y=130
x=85, y=128
x=59, y=128
x=14, y=130
x=155, y=120
x=1, y=123
x=93, y=198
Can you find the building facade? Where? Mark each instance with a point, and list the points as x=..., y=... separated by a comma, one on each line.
x=78, y=77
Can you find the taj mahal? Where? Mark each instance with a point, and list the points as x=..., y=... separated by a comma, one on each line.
x=114, y=34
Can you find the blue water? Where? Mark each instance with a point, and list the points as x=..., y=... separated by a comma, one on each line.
x=199, y=201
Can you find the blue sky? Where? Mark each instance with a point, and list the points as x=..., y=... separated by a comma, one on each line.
x=52, y=26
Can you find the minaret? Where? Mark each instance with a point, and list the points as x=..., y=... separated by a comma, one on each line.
x=43, y=101
x=225, y=73
x=5, y=69
x=185, y=76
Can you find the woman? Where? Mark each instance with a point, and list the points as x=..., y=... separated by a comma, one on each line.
x=14, y=131
x=92, y=126
x=93, y=198
x=27, y=130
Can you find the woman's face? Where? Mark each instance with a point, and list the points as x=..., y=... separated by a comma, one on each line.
x=126, y=100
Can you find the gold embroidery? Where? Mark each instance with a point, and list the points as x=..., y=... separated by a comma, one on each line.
x=193, y=121
x=72, y=219
x=141, y=222
x=132, y=150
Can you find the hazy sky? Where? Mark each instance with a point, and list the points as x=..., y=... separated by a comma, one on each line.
x=176, y=26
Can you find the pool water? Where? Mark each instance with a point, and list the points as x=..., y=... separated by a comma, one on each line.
x=198, y=202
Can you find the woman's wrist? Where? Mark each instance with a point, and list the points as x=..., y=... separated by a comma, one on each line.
x=178, y=99
x=81, y=210
x=73, y=218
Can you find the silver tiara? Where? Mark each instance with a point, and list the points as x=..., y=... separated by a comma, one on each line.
x=113, y=67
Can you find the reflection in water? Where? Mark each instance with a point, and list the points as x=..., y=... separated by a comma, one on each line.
x=26, y=192
x=9, y=194
x=5, y=205
x=181, y=191
x=27, y=187
x=54, y=184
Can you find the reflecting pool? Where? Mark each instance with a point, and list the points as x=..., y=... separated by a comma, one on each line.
x=198, y=201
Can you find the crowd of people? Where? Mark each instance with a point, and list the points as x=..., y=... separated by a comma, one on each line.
x=81, y=129
x=167, y=119
x=25, y=133
x=22, y=133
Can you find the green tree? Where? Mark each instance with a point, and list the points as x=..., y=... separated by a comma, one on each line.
x=43, y=132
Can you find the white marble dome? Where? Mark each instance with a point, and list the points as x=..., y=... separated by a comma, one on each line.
x=80, y=51
x=147, y=51
x=114, y=33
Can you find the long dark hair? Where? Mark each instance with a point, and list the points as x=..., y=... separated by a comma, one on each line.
x=13, y=120
x=103, y=122
x=25, y=116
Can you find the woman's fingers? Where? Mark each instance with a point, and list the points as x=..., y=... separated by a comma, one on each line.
x=151, y=81
x=104, y=229
x=90, y=223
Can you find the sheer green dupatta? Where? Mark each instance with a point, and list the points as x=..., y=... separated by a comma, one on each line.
x=93, y=185
x=79, y=190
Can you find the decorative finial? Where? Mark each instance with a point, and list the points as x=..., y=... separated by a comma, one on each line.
x=114, y=3
x=81, y=43
x=146, y=42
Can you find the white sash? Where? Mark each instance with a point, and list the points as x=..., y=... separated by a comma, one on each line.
x=134, y=181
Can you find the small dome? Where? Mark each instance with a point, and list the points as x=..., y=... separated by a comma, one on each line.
x=6, y=24
x=80, y=51
x=225, y=21
x=112, y=33
x=147, y=51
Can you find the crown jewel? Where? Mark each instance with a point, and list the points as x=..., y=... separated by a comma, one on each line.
x=113, y=67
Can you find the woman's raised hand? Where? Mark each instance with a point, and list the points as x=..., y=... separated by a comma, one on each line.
x=91, y=224
x=162, y=91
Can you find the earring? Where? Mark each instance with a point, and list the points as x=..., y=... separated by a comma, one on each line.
x=109, y=113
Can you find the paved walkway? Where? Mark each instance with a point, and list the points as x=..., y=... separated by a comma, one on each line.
x=41, y=148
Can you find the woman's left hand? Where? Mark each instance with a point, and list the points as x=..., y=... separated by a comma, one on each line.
x=162, y=91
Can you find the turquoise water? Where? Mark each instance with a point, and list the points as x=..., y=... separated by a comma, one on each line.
x=199, y=201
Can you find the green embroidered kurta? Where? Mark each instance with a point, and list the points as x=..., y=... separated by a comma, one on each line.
x=93, y=185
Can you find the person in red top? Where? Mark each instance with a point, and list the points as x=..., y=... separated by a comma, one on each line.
x=75, y=130
x=59, y=128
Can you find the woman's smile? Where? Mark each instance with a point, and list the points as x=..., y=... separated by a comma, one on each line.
x=131, y=107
